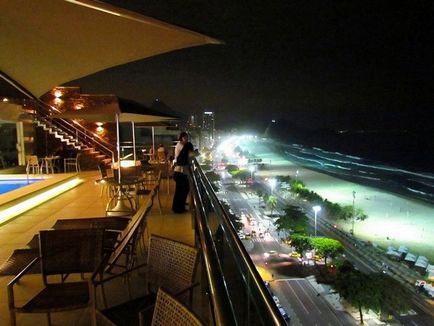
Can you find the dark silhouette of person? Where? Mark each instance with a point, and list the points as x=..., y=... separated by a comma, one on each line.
x=183, y=150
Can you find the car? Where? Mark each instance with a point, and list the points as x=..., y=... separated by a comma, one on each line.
x=247, y=236
x=261, y=235
x=253, y=233
x=284, y=314
x=271, y=254
x=420, y=283
x=295, y=254
x=276, y=301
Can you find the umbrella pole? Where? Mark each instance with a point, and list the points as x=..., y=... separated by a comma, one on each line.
x=153, y=141
x=134, y=141
x=118, y=145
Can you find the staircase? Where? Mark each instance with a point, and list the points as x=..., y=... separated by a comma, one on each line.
x=92, y=148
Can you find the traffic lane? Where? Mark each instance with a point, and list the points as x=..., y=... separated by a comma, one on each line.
x=415, y=320
x=310, y=308
x=261, y=247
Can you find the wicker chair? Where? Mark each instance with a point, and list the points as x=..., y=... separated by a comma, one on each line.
x=169, y=311
x=62, y=252
x=170, y=264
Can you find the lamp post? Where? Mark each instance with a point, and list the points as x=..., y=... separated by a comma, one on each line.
x=296, y=175
x=252, y=169
x=354, y=213
x=272, y=183
x=316, y=209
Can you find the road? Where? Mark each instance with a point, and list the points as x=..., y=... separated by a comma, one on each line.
x=297, y=296
x=310, y=308
x=366, y=258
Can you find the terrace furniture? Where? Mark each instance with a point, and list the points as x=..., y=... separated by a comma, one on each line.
x=165, y=169
x=48, y=164
x=122, y=201
x=130, y=237
x=61, y=253
x=108, y=223
x=169, y=311
x=105, y=180
x=150, y=183
x=32, y=164
x=20, y=258
x=72, y=163
x=170, y=264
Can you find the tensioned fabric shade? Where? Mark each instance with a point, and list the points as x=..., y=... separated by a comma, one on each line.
x=46, y=43
x=108, y=112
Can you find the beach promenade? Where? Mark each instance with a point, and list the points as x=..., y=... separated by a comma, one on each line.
x=393, y=220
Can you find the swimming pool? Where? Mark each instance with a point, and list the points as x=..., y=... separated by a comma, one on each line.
x=7, y=185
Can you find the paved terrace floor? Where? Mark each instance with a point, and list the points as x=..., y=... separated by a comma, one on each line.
x=83, y=201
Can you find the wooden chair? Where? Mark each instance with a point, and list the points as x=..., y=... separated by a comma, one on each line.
x=169, y=311
x=170, y=264
x=61, y=253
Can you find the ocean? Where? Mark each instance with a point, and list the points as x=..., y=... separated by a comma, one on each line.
x=381, y=160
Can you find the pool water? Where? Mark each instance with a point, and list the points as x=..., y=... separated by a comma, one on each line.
x=7, y=185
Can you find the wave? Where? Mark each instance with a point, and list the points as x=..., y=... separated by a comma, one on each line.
x=412, y=183
x=418, y=192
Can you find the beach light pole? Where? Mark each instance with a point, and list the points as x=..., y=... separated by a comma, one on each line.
x=272, y=182
x=252, y=169
x=354, y=213
x=316, y=209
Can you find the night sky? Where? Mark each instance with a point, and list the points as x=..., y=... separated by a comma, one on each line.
x=318, y=64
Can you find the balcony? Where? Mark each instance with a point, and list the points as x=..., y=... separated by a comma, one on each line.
x=230, y=291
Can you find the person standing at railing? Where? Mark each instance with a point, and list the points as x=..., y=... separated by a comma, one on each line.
x=183, y=150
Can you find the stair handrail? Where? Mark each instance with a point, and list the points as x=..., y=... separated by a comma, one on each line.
x=43, y=113
x=43, y=110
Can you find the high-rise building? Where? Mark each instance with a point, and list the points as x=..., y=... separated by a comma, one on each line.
x=208, y=123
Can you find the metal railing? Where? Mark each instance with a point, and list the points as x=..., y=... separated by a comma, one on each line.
x=237, y=293
x=74, y=130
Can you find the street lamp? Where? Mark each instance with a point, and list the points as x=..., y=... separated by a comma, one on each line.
x=354, y=213
x=316, y=209
x=252, y=169
x=296, y=175
x=272, y=183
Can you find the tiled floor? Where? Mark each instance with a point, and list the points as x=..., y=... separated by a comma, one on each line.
x=82, y=201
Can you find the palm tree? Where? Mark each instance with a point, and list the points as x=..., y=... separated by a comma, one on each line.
x=272, y=203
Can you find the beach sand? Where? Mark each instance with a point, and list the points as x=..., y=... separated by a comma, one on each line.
x=393, y=220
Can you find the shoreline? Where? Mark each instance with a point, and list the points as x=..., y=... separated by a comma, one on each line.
x=410, y=216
